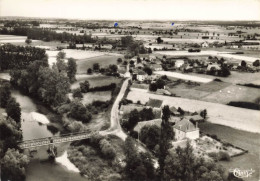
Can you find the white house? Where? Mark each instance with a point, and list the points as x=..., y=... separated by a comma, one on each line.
x=205, y=45
x=141, y=75
x=179, y=63
x=185, y=129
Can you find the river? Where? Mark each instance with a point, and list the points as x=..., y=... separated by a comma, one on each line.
x=34, y=119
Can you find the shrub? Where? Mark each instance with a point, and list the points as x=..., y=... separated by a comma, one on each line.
x=76, y=93
x=214, y=156
x=224, y=156
x=106, y=149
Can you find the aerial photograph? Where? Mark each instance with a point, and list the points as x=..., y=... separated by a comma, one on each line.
x=130, y=90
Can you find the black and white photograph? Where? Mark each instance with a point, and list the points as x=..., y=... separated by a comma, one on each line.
x=130, y=90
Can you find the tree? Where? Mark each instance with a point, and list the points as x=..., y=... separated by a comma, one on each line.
x=107, y=149
x=13, y=165
x=119, y=60
x=165, y=137
x=148, y=70
x=160, y=83
x=126, y=41
x=89, y=71
x=181, y=164
x=256, y=63
x=78, y=111
x=113, y=68
x=150, y=50
x=76, y=93
x=10, y=134
x=133, y=119
x=71, y=69
x=150, y=136
x=84, y=86
x=61, y=55
x=28, y=41
x=153, y=87
x=5, y=94
x=61, y=65
x=203, y=113
x=125, y=62
x=13, y=110
x=243, y=63
x=159, y=40
x=96, y=67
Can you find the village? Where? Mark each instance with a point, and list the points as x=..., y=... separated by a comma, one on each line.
x=120, y=85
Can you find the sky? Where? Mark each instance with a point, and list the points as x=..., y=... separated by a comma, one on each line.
x=134, y=9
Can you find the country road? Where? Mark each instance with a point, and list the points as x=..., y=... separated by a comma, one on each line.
x=115, y=127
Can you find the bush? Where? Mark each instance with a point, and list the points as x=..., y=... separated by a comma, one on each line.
x=224, y=156
x=84, y=86
x=76, y=93
x=214, y=156
x=106, y=149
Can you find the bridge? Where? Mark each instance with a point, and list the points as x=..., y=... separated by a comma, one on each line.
x=55, y=139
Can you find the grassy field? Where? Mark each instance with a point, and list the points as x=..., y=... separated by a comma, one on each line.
x=103, y=60
x=90, y=97
x=184, y=76
x=233, y=93
x=212, y=86
x=239, y=118
x=235, y=77
x=95, y=80
x=242, y=139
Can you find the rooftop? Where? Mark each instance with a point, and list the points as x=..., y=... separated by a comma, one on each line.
x=185, y=125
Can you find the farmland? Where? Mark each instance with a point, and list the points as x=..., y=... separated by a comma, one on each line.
x=239, y=118
x=242, y=139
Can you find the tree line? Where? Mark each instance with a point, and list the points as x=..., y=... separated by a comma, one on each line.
x=12, y=56
x=48, y=35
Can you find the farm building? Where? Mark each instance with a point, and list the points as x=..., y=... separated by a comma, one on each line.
x=185, y=129
x=205, y=45
x=156, y=67
x=140, y=75
x=179, y=63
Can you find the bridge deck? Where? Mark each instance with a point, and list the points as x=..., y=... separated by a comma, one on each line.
x=55, y=139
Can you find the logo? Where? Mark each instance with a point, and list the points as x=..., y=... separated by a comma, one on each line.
x=242, y=173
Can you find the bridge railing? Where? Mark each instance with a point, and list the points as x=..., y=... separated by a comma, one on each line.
x=54, y=139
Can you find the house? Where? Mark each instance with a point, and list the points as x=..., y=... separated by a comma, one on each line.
x=140, y=75
x=154, y=103
x=185, y=129
x=156, y=67
x=195, y=118
x=174, y=111
x=205, y=45
x=179, y=63
x=216, y=66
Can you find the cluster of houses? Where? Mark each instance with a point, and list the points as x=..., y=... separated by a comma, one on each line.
x=185, y=126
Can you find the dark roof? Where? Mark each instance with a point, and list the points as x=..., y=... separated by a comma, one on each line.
x=155, y=103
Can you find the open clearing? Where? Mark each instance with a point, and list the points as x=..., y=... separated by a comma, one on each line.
x=90, y=97
x=208, y=53
x=239, y=118
x=95, y=80
x=233, y=93
x=184, y=76
x=242, y=139
x=103, y=60
x=13, y=39
x=235, y=77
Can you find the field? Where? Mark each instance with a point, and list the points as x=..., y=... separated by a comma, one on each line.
x=12, y=39
x=103, y=60
x=95, y=80
x=233, y=93
x=231, y=57
x=184, y=76
x=235, y=77
x=239, y=118
x=242, y=139
x=90, y=97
